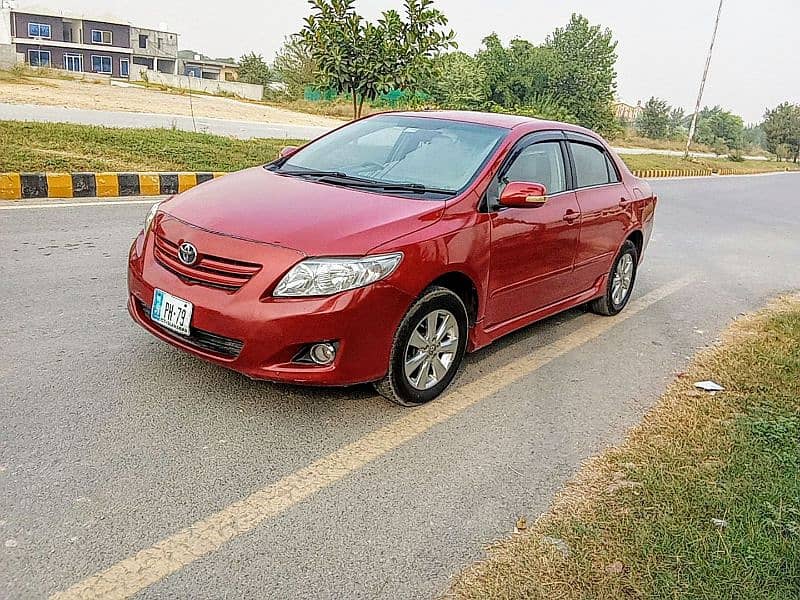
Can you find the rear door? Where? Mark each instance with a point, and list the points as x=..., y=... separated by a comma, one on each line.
x=533, y=249
x=601, y=196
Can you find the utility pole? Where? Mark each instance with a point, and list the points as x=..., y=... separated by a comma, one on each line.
x=693, y=126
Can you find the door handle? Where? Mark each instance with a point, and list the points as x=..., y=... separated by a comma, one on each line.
x=571, y=216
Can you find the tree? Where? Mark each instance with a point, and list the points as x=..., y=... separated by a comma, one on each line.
x=654, y=122
x=720, y=128
x=294, y=66
x=676, y=123
x=782, y=129
x=368, y=59
x=582, y=72
x=253, y=69
x=459, y=82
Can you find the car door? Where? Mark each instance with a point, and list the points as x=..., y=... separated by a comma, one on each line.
x=601, y=196
x=532, y=249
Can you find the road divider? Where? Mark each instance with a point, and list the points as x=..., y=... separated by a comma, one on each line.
x=23, y=186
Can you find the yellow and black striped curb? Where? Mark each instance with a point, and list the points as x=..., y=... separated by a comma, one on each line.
x=18, y=186
x=656, y=173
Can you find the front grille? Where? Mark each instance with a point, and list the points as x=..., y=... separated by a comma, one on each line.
x=212, y=271
x=205, y=340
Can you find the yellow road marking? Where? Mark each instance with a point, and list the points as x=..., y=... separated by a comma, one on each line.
x=186, y=181
x=171, y=554
x=10, y=186
x=149, y=184
x=59, y=185
x=107, y=185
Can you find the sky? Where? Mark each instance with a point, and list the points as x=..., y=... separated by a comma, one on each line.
x=662, y=45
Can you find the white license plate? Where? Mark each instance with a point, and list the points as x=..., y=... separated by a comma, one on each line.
x=171, y=312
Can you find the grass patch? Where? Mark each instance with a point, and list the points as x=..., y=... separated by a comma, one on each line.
x=37, y=147
x=701, y=501
x=661, y=161
x=32, y=147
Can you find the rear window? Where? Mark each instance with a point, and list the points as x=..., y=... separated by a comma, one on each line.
x=591, y=166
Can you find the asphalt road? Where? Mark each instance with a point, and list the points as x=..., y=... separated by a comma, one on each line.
x=111, y=441
x=238, y=129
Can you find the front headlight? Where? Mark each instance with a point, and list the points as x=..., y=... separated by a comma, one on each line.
x=327, y=276
x=148, y=220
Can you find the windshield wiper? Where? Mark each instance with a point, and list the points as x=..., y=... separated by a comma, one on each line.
x=337, y=177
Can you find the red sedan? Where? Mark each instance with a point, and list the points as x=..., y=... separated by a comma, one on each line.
x=383, y=251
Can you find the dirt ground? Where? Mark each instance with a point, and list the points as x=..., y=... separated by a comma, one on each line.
x=133, y=98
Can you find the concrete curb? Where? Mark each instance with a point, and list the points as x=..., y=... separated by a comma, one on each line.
x=658, y=173
x=22, y=186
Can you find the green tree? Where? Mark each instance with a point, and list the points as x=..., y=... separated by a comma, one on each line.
x=253, y=69
x=720, y=128
x=782, y=129
x=368, y=59
x=459, y=82
x=582, y=72
x=677, y=126
x=294, y=66
x=654, y=122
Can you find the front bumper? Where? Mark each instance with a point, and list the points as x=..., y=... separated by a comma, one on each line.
x=270, y=332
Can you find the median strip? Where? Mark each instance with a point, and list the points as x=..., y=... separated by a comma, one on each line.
x=24, y=186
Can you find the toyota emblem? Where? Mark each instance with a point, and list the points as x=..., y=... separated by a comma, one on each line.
x=187, y=253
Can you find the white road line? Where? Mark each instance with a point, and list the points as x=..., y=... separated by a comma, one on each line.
x=56, y=204
x=170, y=555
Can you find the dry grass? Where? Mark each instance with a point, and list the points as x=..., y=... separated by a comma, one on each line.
x=638, y=519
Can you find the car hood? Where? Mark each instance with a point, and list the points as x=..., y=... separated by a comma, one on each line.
x=314, y=218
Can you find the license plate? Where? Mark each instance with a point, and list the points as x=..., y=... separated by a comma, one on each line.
x=171, y=312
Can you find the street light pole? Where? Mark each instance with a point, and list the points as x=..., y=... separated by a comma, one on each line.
x=693, y=126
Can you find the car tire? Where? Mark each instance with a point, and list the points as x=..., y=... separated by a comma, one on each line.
x=623, y=273
x=420, y=369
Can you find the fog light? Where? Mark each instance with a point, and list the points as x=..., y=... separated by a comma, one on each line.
x=323, y=354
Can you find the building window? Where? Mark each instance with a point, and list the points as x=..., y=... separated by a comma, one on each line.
x=142, y=41
x=194, y=72
x=73, y=62
x=39, y=30
x=39, y=58
x=101, y=64
x=101, y=37
x=124, y=67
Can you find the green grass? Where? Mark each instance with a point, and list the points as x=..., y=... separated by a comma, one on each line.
x=660, y=161
x=32, y=147
x=36, y=147
x=639, y=519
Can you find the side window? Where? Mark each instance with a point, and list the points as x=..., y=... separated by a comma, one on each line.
x=591, y=165
x=539, y=163
x=613, y=175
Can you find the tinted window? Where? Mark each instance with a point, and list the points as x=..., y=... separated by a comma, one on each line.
x=591, y=167
x=539, y=163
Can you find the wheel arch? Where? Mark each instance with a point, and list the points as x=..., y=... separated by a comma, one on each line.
x=637, y=237
x=464, y=287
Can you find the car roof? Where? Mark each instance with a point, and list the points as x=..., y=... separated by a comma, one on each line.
x=507, y=121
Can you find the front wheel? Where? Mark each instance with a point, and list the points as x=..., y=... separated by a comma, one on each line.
x=427, y=350
x=620, y=282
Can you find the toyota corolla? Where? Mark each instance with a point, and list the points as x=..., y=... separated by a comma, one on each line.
x=385, y=250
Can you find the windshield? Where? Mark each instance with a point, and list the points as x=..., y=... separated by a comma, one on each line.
x=424, y=153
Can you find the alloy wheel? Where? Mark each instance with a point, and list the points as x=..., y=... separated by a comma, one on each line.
x=431, y=349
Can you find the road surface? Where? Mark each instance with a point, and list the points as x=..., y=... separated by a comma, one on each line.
x=123, y=456
x=238, y=129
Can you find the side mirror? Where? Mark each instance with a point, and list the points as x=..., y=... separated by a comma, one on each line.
x=520, y=194
x=287, y=151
